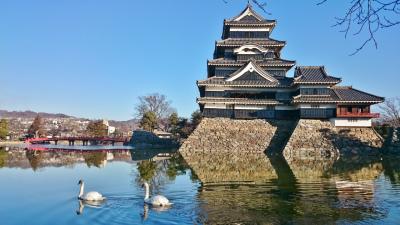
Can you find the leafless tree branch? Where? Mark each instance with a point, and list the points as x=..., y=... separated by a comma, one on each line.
x=156, y=103
x=368, y=16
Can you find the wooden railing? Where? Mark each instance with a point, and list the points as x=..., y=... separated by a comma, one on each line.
x=358, y=115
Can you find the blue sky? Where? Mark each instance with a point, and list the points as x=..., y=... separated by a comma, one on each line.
x=93, y=58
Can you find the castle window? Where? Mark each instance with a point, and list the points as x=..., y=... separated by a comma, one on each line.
x=230, y=106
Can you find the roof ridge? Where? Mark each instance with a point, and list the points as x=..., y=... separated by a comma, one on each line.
x=342, y=87
x=249, y=8
x=313, y=67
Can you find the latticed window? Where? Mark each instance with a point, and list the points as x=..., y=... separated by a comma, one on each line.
x=249, y=34
x=315, y=106
x=245, y=57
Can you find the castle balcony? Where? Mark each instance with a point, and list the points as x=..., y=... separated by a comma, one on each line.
x=357, y=115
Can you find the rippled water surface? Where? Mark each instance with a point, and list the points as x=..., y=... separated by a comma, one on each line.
x=40, y=187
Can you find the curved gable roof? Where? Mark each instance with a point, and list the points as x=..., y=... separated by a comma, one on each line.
x=252, y=66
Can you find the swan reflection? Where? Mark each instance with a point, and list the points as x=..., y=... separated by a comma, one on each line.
x=82, y=204
x=146, y=210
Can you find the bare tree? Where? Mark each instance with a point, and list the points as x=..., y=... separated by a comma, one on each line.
x=391, y=111
x=362, y=16
x=156, y=103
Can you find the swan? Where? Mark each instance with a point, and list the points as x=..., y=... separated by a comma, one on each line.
x=158, y=200
x=92, y=196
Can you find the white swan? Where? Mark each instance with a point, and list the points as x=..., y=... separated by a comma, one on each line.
x=157, y=200
x=92, y=196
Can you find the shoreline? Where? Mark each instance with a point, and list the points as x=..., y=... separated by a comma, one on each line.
x=12, y=143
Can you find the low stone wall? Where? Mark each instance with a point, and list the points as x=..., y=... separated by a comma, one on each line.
x=227, y=135
x=319, y=139
x=145, y=139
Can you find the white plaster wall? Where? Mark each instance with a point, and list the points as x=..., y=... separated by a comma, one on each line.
x=321, y=106
x=214, y=106
x=249, y=29
x=344, y=122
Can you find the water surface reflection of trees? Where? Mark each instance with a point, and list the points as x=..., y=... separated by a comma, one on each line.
x=20, y=158
x=159, y=172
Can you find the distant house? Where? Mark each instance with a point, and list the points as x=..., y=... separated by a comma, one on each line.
x=110, y=129
x=247, y=80
x=162, y=134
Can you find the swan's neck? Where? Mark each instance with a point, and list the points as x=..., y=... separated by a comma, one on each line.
x=81, y=190
x=147, y=191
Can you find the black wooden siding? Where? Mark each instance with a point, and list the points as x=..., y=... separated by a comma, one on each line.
x=248, y=34
x=242, y=94
x=270, y=114
x=314, y=91
x=246, y=57
x=317, y=113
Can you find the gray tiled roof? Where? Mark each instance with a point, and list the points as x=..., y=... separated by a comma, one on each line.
x=220, y=81
x=313, y=74
x=243, y=101
x=237, y=42
x=272, y=62
x=255, y=18
x=330, y=98
x=339, y=94
x=349, y=94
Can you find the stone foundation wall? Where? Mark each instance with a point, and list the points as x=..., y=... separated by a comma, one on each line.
x=225, y=135
x=305, y=139
x=316, y=139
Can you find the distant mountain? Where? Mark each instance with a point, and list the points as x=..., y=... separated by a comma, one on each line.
x=127, y=125
x=31, y=114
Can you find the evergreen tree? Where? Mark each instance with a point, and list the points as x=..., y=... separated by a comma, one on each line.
x=96, y=129
x=196, y=118
x=3, y=128
x=149, y=121
x=173, y=121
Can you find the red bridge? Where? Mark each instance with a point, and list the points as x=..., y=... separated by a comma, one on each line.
x=84, y=140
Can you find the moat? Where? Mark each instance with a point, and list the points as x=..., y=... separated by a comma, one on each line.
x=40, y=187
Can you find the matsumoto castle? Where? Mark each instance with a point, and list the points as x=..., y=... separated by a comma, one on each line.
x=247, y=80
